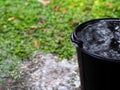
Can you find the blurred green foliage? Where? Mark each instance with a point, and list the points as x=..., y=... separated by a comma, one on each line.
x=28, y=25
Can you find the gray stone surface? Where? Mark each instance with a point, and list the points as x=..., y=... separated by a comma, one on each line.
x=45, y=72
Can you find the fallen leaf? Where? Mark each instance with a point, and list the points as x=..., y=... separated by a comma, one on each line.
x=41, y=22
x=42, y=17
x=9, y=80
x=56, y=8
x=30, y=31
x=36, y=43
x=54, y=71
x=45, y=29
x=61, y=19
x=11, y=18
x=57, y=41
x=61, y=34
x=38, y=55
x=74, y=23
x=63, y=10
x=108, y=4
x=44, y=2
x=33, y=27
x=26, y=3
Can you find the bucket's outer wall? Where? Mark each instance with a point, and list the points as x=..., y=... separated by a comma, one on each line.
x=98, y=74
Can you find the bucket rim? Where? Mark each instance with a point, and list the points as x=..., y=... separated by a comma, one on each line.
x=75, y=40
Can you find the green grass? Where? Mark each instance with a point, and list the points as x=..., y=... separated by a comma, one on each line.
x=27, y=26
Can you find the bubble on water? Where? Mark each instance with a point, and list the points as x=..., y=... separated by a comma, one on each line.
x=102, y=38
x=117, y=27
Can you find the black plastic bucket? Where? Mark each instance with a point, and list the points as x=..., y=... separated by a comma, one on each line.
x=96, y=72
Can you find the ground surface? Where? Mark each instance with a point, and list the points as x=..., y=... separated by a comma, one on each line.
x=46, y=73
x=45, y=25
